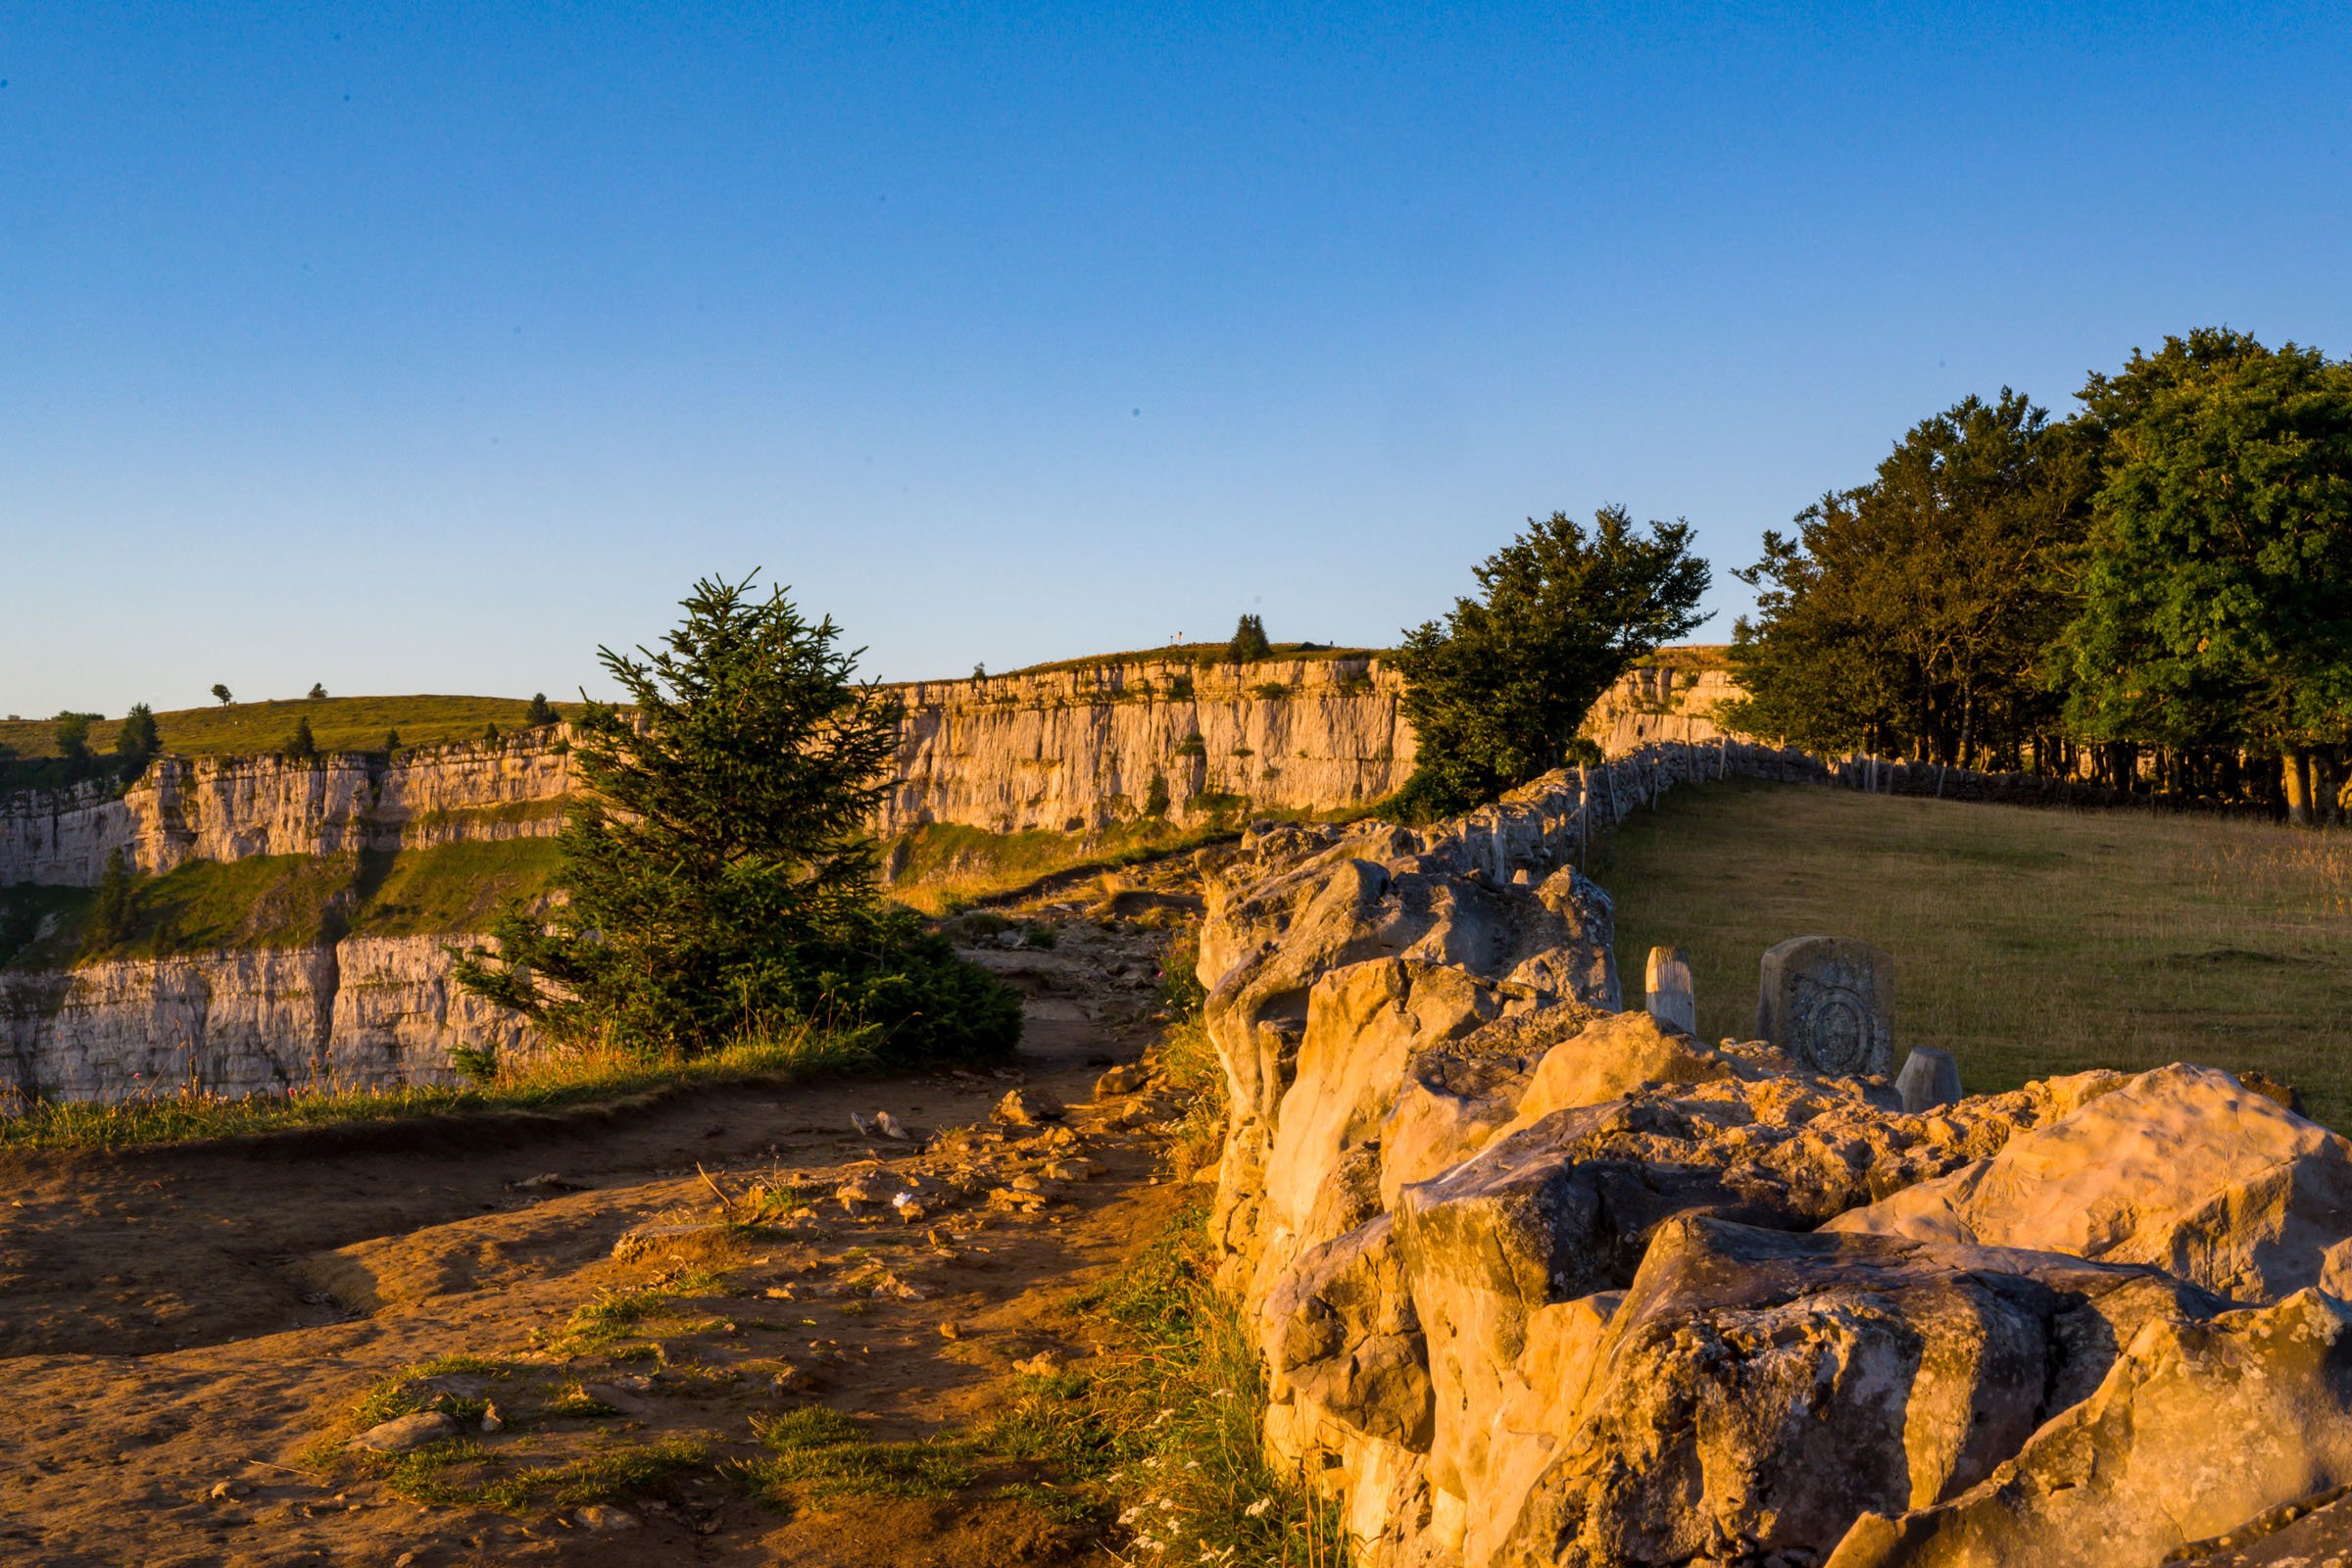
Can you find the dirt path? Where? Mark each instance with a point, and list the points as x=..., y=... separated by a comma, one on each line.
x=188, y=1334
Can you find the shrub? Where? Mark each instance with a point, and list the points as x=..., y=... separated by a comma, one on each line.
x=1155, y=795
x=317, y=691
x=1248, y=643
x=1269, y=690
x=302, y=747
x=540, y=714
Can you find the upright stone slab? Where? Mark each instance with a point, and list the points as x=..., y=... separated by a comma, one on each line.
x=1929, y=1078
x=1828, y=1002
x=1673, y=1001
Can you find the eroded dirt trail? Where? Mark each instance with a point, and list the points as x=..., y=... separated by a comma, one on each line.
x=188, y=1335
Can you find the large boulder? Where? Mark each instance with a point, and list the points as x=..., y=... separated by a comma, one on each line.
x=1759, y=1391
x=2200, y=1425
x=2181, y=1168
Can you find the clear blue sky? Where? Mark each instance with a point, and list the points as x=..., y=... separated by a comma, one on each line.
x=415, y=348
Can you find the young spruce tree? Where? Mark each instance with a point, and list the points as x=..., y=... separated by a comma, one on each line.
x=718, y=871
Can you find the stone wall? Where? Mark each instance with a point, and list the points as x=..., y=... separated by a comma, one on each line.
x=1539, y=1281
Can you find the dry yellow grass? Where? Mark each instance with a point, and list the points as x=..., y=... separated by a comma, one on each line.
x=2027, y=942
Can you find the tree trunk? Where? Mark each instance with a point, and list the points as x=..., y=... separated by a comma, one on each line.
x=2294, y=775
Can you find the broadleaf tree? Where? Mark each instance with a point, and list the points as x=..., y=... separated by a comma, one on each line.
x=1496, y=691
x=717, y=873
x=1915, y=613
x=2217, y=587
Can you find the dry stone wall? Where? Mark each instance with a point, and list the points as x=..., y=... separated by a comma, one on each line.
x=1536, y=1281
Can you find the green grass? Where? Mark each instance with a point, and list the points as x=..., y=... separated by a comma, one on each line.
x=450, y=887
x=281, y=900
x=176, y=1116
x=1187, y=654
x=942, y=866
x=337, y=724
x=41, y=926
x=821, y=1455
x=2026, y=942
x=268, y=901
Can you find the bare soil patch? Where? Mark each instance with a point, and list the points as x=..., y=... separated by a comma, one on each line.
x=193, y=1335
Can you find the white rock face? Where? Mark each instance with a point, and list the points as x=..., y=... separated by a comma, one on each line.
x=1658, y=704
x=1081, y=749
x=232, y=808
x=366, y=1011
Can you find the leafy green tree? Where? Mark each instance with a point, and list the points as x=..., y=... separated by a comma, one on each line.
x=540, y=714
x=302, y=747
x=391, y=742
x=138, y=741
x=73, y=738
x=1916, y=613
x=318, y=691
x=1248, y=644
x=1496, y=691
x=2217, y=586
x=717, y=869
x=221, y=694
x=114, y=912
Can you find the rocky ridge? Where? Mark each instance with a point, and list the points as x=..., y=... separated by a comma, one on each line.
x=1538, y=1281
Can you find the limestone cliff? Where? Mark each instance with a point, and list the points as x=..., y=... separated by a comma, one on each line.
x=1075, y=748
x=365, y=1011
x=186, y=809
x=1659, y=702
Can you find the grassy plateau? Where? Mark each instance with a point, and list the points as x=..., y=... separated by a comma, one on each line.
x=337, y=724
x=2027, y=942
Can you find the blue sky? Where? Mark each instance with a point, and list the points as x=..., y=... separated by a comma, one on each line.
x=423, y=349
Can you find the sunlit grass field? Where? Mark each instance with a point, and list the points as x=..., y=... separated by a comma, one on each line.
x=337, y=724
x=2027, y=942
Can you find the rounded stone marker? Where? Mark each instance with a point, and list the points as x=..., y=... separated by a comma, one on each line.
x=1829, y=1004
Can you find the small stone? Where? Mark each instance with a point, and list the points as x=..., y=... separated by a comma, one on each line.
x=1121, y=1081
x=1027, y=1108
x=1672, y=1000
x=492, y=1421
x=1929, y=1078
x=888, y=1125
x=951, y=1330
x=407, y=1559
x=604, y=1516
x=224, y=1491
x=1044, y=1364
x=642, y=1241
x=403, y=1433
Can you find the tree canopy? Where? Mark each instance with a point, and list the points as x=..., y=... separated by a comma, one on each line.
x=1914, y=613
x=717, y=872
x=1497, y=690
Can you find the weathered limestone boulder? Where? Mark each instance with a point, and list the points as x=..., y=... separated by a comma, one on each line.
x=1426, y=900
x=1829, y=1002
x=1760, y=1391
x=2180, y=1167
x=2201, y=1424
